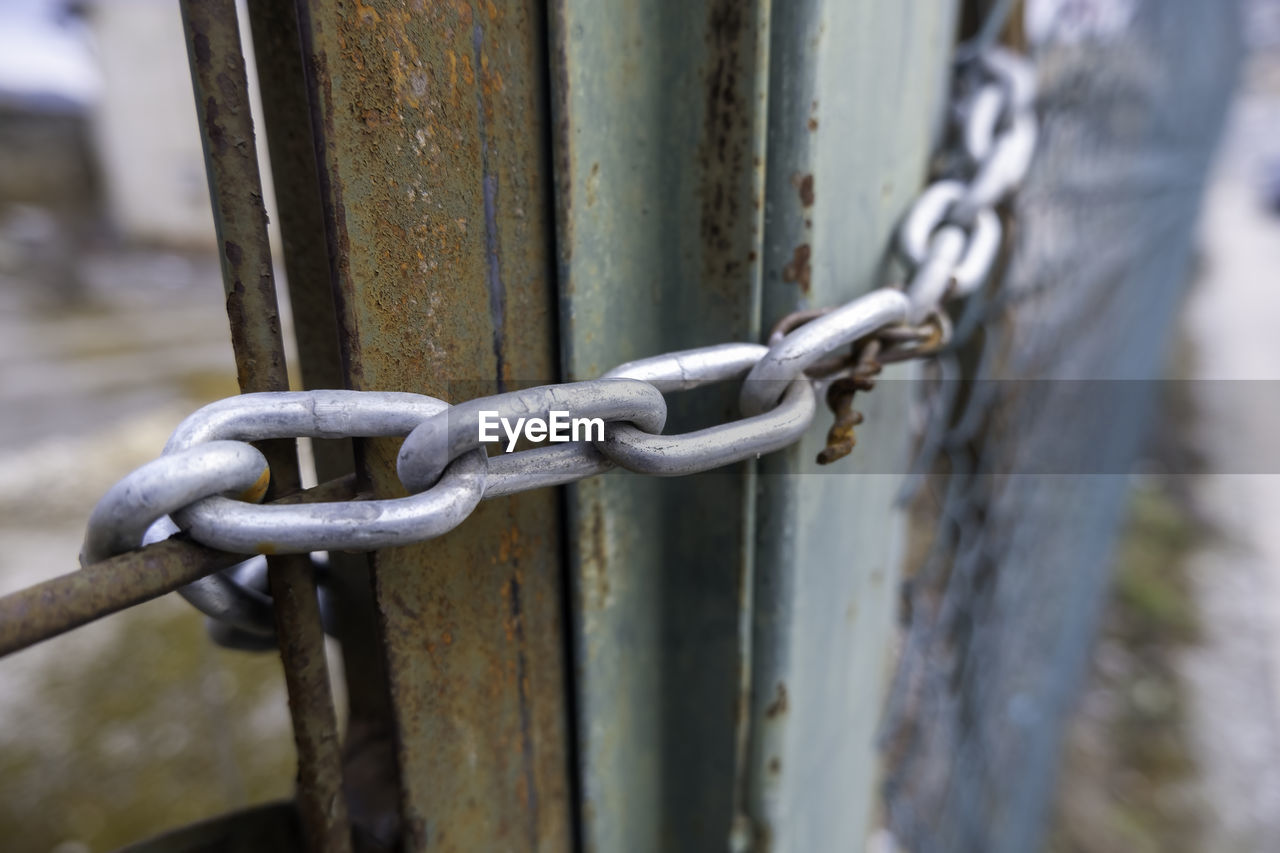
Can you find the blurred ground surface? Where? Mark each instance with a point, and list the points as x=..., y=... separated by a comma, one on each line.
x=136, y=723
x=1176, y=745
x=1234, y=673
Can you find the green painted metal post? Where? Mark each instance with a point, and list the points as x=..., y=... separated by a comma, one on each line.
x=856, y=93
x=718, y=164
x=659, y=155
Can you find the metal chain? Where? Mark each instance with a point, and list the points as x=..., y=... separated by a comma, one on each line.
x=948, y=241
x=209, y=478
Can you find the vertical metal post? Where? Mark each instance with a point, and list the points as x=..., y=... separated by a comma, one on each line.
x=661, y=247
x=431, y=134
x=659, y=152
x=1005, y=609
x=226, y=126
x=369, y=758
x=856, y=91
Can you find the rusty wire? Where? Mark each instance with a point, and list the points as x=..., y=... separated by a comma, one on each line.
x=220, y=81
x=101, y=588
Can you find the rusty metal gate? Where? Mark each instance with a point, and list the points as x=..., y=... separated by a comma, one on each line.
x=477, y=197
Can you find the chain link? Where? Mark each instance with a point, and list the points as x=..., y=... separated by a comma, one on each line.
x=442, y=438
x=714, y=447
x=209, y=477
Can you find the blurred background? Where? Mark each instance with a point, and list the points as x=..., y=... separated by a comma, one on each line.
x=112, y=330
x=1175, y=743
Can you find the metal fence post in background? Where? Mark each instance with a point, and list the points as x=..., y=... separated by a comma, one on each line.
x=1004, y=610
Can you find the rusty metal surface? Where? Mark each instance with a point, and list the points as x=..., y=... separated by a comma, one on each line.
x=856, y=93
x=286, y=115
x=659, y=158
x=321, y=799
x=99, y=589
x=430, y=127
x=220, y=83
x=68, y=601
x=371, y=772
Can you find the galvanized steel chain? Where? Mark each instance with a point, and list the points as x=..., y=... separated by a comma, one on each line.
x=209, y=477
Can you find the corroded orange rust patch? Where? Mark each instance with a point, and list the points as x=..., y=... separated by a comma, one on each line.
x=255, y=493
x=797, y=269
x=421, y=115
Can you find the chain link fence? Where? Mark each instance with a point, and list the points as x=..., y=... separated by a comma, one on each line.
x=1029, y=473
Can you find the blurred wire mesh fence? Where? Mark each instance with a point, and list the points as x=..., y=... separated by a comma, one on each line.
x=1001, y=609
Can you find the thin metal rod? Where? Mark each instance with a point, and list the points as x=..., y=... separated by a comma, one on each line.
x=220, y=82
x=77, y=598
x=286, y=118
x=68, y=601
x=998, y=12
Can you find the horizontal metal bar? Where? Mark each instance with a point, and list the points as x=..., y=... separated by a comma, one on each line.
x=68, y=601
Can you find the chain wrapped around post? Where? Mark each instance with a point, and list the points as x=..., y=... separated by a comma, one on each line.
x=209, y=477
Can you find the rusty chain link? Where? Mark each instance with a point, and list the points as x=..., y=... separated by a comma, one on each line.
x=948, y=242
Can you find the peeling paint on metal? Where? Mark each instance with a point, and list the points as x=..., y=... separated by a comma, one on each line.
x=797, y=270
x=778, y=706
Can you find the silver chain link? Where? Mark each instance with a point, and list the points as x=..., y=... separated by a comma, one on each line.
x=209, y=478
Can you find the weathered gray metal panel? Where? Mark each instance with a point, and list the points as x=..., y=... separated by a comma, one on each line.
x=856, y=90
x=659, y=241
x=659, y=164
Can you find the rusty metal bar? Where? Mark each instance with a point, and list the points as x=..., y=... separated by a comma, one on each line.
x=219, y=78
x=286, y=115
x=68, y=601
x=287, y=119
x=431, y=130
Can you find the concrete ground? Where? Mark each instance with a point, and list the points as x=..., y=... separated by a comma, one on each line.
x=1233, y=322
